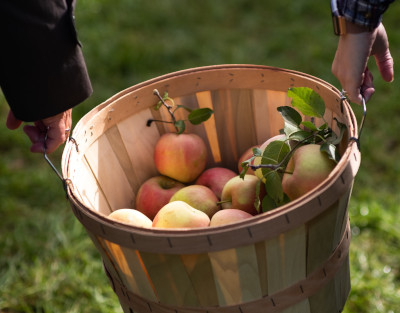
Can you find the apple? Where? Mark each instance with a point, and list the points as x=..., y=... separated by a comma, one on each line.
x=179, y=214
x=199, y=197
x=306, y=169
x=154, y=193
x=257, y=160
x=228, y=216
x=180, y=156
x=215, y=178
x=240, y=193
x=245, y=156
x=132, y=217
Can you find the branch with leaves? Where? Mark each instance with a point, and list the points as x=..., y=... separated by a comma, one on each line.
x=297, y=132
x=195, y=116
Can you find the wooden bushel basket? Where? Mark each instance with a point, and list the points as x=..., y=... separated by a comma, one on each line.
x=291, y=259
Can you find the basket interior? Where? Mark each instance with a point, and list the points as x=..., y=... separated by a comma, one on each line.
x=116, y=147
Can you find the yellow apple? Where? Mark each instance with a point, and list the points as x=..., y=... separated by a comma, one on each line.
x=199, y=197
x=179, y=214
x=131, y=217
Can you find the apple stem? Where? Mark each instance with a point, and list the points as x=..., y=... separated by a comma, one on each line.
x=169, y=108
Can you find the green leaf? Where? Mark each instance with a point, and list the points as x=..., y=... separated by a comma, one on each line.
x=246, y=164
x=244, y=170
x=307, y=101
x=180, y=106
x=200, y=115
x=292, y=119
x=257, y=203
x=273, y=154
x=273, y=185
x=268, y=204
x=323, y=126
x=310, y=125
x=331, y=150
x=158, y=105
x=301, y=135
x=342, y=128
x=180, y=126
x=257, y=151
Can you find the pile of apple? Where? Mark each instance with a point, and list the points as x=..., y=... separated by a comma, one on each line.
x=186, y=194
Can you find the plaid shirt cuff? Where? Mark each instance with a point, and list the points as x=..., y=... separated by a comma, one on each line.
x=363, y=12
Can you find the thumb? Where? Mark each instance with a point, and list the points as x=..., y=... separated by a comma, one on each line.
x=384, y=62
x=381, y=52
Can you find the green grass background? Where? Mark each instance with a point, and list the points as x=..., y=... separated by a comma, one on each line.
x=48, y=263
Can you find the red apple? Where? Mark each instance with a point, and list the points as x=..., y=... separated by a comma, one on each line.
x=154, y=193
x=241, y=194
x=200, y=197
x=179, y=214
x=131, y=217
x=215, y=178
x=180, y=156
x=228, y=216
x=307, y=168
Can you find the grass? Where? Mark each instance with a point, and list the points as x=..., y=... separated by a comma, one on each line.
x=47, y=261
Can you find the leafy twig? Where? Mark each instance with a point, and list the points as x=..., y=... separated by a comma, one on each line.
x=195, y=117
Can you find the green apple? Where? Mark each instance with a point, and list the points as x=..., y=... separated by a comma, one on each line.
x=228, y=216
x=179, y=214
x=180, y=156
x=198, y=196
x=131, y=217
x=307, y=168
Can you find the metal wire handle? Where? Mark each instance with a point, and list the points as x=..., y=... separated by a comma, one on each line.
x=64, y=181
x=364, y=108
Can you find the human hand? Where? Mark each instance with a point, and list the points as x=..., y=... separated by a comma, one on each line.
x=351, y=59
x=57, y=128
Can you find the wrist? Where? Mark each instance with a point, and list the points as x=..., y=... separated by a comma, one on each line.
x=353, y=28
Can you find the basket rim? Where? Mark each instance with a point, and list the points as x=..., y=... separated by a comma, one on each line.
x=344, y=171
x=193, y=70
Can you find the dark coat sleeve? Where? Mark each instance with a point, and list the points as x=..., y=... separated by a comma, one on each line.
x=42, y=69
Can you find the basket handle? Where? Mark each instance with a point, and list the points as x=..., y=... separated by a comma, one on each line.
x=364, y=108
x=65, y=181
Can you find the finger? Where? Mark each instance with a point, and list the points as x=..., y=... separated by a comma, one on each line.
x=55, y=137
x=36, y=135
x=12, y=122
x=353, y=93
x=367, y=88
x=58, y=130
